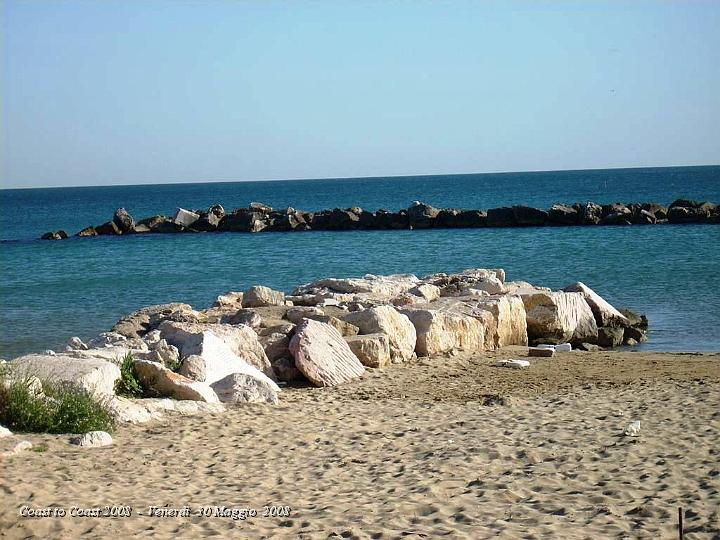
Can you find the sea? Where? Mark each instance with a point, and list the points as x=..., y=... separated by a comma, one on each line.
x=51, y=291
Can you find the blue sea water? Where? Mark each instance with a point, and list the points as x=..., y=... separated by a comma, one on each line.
x=81, y=286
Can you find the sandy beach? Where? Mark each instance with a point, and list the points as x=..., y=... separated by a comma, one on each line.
x=442, y=447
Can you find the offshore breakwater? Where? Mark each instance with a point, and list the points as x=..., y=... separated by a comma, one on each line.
x=258, y=217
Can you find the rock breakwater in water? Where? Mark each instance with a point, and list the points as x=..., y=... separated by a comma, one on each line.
x=247, y=344
x=258, y=217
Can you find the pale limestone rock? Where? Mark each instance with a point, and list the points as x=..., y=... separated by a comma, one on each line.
x=426, y=291
x=605, y=314
x=322, y=355
x=157, y=378
x=213, y=341
x=370, y=287
x=441, y=331
x=93, y=439
x=276, y=346
x=17, y=448
x=108, y=339
x=560, y=317
x=92, y=375
x=230, y=299
x=5, y=432
x=491, y=285
x=387, y=320
x=75, y=344
x=510, y=322
x=297, y=314
x=259, y=296
x=373, y=350
x=286, y=370
x=142, y=321
x=241, y=388
x=185, y=218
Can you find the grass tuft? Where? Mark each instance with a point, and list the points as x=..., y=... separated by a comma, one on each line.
x=128, y=384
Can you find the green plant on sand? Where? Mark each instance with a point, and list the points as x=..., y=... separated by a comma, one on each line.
x=50, y=407
x=128, y=384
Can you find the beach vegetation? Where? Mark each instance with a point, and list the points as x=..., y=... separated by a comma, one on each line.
x=128, y=385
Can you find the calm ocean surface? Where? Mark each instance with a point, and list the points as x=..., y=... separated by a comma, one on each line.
x=53, y=290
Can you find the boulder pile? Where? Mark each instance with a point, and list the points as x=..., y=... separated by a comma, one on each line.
x=248, y=344
x=258, y=217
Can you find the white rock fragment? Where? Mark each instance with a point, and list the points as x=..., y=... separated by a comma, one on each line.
x=633, y=430
x=514, y=364
x=93, y=439
x=5, y=432
x=185, y=217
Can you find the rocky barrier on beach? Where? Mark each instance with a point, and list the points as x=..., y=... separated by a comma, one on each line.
x=248, y=344
x=258, y=217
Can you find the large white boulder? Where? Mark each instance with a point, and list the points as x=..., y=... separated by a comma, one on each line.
x=185, y=218
x=93, y=439
x=387, y=320
x=370, y=287
x=426, y=291
x=509, y=321
x=213, y=341
x=605, y=314
x=373, y=350
x=559, y=317
x=92, y=375
x=322, y=355
x=242, y=388
x=157, y=378
x=442, y=331
x=260, y=296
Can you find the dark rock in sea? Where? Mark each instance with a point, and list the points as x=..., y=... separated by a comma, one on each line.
x=366, y=219
x=421, y=215
x=685, y=203
x=561, y=214
x=501, y=217
x=526, y=216
x=610, y=336
x=385, y=219
x=637, y=334
x=335, y=220
x=54, y=235
x=657, y=210
x=687, y=214
x=589, y=213
x=614, y=208
x=87, y=231
x=123, y=220
x=643, y=217
x=289, y=220
x=244, y=220
x=635, y=320
x=108, y=227
x=616, y=214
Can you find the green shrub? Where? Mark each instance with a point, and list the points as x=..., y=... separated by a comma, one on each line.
x=59, y=408
x=128, y=384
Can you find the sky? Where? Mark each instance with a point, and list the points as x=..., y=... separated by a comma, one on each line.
x=130, y=92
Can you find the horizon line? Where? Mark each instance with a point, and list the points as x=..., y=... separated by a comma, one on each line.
x=396, y=176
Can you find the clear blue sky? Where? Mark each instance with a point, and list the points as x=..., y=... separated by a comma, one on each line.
x=104, y=92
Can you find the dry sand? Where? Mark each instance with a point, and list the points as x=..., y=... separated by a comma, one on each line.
x=414, y=451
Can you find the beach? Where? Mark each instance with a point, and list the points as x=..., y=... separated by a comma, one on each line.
x=448, y=446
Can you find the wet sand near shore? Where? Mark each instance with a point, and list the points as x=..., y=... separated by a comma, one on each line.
x=448, y=447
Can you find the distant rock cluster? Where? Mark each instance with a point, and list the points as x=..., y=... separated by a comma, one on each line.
x=245, y=346
x=258, y=217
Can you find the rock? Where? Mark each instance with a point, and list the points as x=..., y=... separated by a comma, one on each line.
x=297, y=314
x=259, y=296
x=322, y=355
x=630, y=342
x=616, y=214
x=159, y=379
x=561, y=214
x=421, y=215
x=644, y=217
x=242, y=388
x=93, y=439
x=138, y=323
x=563, y=347
x=157, y=224
x=17, y=449
x=590, y=347
x=685, y=214
x=635, y=334
x=440, y=332
x=491, y=285
x=633, y=430
x=387, y=320
x=229, y=299
x=123, y=220
x=221, y=345
x=605, y=314
x=163, y=353
x=373, y=350
x=242, y=220
x=260, y=207
x=589, y=214
x=610, y=336
x=559, y=317
x=391, y=220
x=286, y=370
x=185, y=218
x=91, y=375
x=281, y=328
x=244, y=316
x=108, y=228
x=426, y=291
x=369, y=288
x=514, y=364
x=87, y=231
x=56, y=235
x=510, y=322
x=501, y=217
x=541, y=352
x=528, y=216
x=275, y=346
x=5, y=432
x=75, y=344
x=107, y=339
